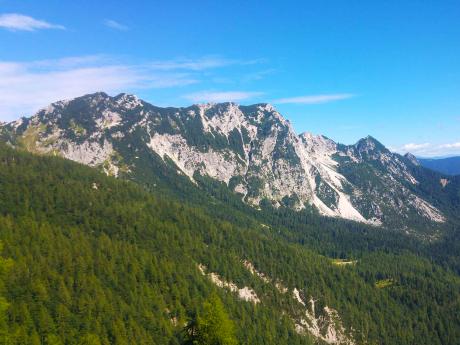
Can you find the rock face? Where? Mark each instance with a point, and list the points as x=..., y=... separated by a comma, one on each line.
x=252, y=149
x=412, y=158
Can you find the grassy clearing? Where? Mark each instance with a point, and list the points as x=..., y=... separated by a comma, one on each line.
x=343, y=262
x=380, y=284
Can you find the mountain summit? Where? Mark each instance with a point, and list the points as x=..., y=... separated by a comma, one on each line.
x=251, y=149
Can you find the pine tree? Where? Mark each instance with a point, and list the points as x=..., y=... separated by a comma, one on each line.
x=212, y=326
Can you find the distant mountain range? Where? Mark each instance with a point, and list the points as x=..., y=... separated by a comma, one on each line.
x=252, y=150
x=448, y=166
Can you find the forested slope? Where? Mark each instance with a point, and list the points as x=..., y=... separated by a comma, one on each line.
x=97, y=260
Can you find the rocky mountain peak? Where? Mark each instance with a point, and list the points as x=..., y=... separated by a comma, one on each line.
x=412, y=158
x=369, y=144
x=253, y=149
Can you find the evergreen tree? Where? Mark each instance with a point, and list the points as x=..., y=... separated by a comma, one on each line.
x=212, y=326
x=5, y=265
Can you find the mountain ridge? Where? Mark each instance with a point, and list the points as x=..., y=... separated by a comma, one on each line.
x=252, y=149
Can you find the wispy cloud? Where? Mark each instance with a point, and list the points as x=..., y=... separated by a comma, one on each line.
x=451, y=146
x=72, y=61
x=27, y=86
x=313, y=99
x=113, y=24
x=413, y=147
x=200, y=64
x=20, y=22
x=258, y=75
x=195, y=65
x=223, y=96
x=430, y=150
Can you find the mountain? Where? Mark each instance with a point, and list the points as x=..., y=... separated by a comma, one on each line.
x=98, y=260
x=448, y=166
x=253, y=150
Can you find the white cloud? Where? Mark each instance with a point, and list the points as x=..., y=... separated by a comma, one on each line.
x=195, y=65
x=224, y=96
x=430, y=150
x=313, y=99
x=16, y=22
x=451, y=146
x=199, y=64
x=72, y=61
x=26, y=87
x=413, y=147
x=113, y=24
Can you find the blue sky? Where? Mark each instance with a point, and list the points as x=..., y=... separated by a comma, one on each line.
x=345, y=69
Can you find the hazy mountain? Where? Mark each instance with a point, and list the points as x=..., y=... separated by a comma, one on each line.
x=448, y=166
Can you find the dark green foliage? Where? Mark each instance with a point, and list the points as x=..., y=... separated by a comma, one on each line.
x=446, y=197
x=254, y=185
x=211, y=326
x=98, y=260
x=234, y=181
x=325, y=193
x=111, y=265
x=290, y=201
x=235, y=141
x=5, y=266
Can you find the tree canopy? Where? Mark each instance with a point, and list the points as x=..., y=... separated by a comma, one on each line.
x=212, y=326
